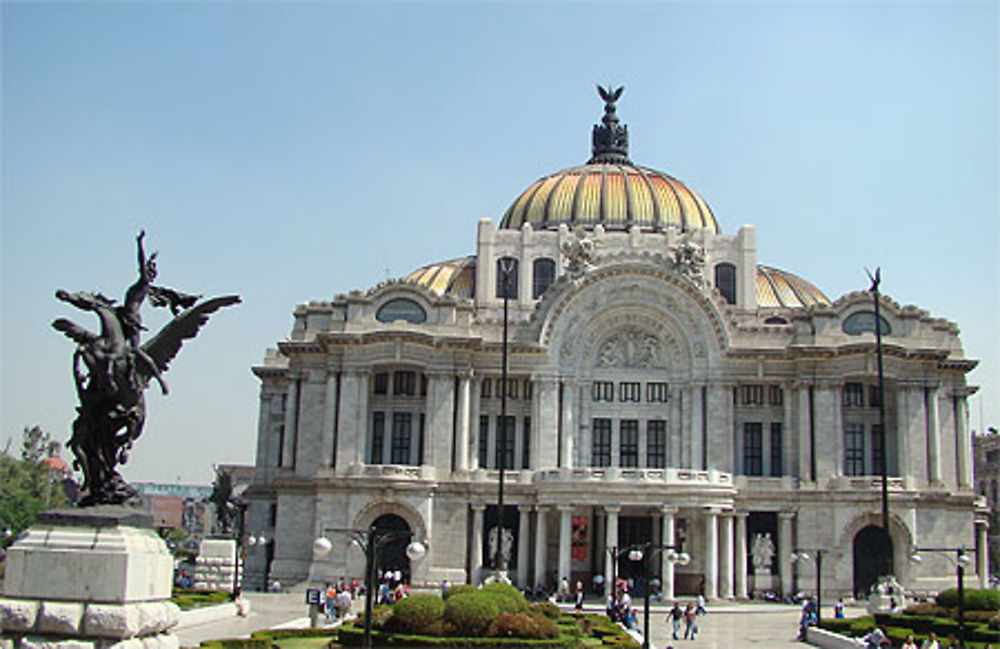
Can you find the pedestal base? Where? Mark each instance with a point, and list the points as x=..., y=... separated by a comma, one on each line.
x=216, y=564
x=84, y=579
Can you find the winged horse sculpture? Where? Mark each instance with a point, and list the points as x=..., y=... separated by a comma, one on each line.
x=111, y=371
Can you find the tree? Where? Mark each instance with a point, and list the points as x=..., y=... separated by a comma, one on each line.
x=26, y=484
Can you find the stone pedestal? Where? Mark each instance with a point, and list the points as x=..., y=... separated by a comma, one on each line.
x=89, y=579
x=216, y=564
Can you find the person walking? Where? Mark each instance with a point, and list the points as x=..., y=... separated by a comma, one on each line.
x=909, y=643
x=674, y=617
x=931, y=642
x=690, y=622
x=579, y=596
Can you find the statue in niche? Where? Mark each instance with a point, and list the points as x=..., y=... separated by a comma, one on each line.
x=631, y=348
x=113, y=368
x=689, y=260
x=508, y=543
x=762, y=552
x=580, y=252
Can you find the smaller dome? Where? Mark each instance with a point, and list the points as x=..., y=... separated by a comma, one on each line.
x=778, y=288
x=454, y=278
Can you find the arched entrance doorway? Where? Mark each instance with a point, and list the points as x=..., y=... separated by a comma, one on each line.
x=872, y=558
x=392, y=555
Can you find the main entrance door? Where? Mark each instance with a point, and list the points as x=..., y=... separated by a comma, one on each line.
x=392, y=555
x=872, y=558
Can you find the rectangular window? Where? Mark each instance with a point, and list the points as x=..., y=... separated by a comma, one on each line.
x=402, y=428
x=656, y=392
x=420, y=440
x=378, y=434
x=877, y=455
x=484, y=440
x=776, y=458
x=511, y=388
x=528, y=389
x=656, y=444
x=273, y=514
x=526, y=444
x=753, y=448
x=874, y=396
x=602, y=391
x=752, y=395
x=484, y=389
x=601, y=455
x=628, y=391
x=854, y=448
x=505, y=442
x=854, y=395
x=775, y=395
x=404, y=383
x=628, y=431
x=423, y=385
x=280, y=433
x=381, y=383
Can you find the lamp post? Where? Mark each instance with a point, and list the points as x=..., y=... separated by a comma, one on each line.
x=506, y=267
x=615, y=553
x=643, y=552
x=961, y=560
x=798, y=556
x=241, y=513
x=370, y=541
x=876, y=280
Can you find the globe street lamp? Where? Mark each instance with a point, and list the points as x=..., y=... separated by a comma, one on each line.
x=644, y=552
x=370, y=541
x=259, y=540
x=802, y=556
x=961, y=560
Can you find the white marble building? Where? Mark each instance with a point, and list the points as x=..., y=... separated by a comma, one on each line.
x=663, y=386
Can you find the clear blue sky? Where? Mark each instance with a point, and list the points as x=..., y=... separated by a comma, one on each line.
x=289, y=152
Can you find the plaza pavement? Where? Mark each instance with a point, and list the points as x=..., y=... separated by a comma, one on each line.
x=727, y=625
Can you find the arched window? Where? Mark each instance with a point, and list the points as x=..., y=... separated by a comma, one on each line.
x=543, y=274
x=507, y=276
x=725, y=281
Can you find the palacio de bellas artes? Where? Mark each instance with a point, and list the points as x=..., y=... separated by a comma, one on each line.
x=663, y=386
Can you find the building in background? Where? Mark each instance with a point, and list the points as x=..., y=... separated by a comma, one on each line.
x=179, y=507
x=663, y=386
x=986, y=448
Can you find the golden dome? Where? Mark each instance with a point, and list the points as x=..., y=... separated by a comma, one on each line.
x=779, y=288
x=610, y=190
x=455, y=277
x=617, y=196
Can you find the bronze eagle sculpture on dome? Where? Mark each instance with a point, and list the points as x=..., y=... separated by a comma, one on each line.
x=112, y=369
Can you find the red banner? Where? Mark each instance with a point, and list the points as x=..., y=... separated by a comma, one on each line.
x=579, y=538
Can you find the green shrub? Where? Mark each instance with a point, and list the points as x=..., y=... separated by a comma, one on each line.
x=459, y=589
x=414, y=613
x=522, y=625
x=471, y=613
x=277, y=634
x=975, y=599
x=237, y=643
x=508, y=598
x=547, y=609
x=622, y=640
x=994, y=623
x=927, y=608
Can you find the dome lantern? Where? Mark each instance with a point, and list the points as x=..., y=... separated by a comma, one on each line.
x=609, y=142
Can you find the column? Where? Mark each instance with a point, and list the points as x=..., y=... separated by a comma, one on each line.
x=829, y=432
x=610, y=541
x=462, y=415
x=711, y=561
x=474, y=424
x=545, y=424
x=784, y=549
x=963, y=443
x=667, y=566
x=584, y=438
x=741, y=555
x=694, y=433
x=565, y=527
x=541, y=545
x=291, y=423
x=329, y=420
x=438, y=426
x=803, y=433
x=523, y=539
x=476, y=551
x=933, y=440
x=568, y=425
x=982, y=553
x=726, y=557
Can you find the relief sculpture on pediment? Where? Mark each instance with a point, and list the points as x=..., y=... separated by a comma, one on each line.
x=631, y=348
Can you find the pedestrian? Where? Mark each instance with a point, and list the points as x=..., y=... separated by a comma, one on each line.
x=690, y=622
x=674, y=617
x=331, y=600
x=877, y=639
x=579, y=596
x=931, y=642
x=701, y=609
x=838, y=609
x=910, y=643
x=564, y=590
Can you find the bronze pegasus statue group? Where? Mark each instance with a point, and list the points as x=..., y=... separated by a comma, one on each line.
x=112, y=369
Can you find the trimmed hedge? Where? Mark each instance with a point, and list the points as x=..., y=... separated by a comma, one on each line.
x=237, y=643
x=471, y=613
x=458, y=589
x=277, y=634
x=522, y=625
x=415, y=613
x=508, y=598
x=352, y=636
x=975, y=599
